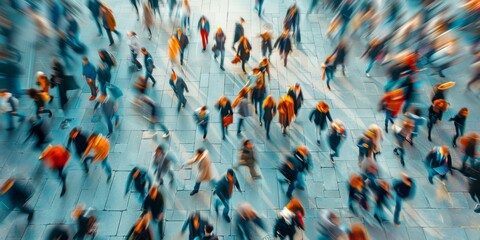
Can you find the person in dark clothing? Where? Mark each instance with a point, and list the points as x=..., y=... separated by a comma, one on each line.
x=224, y=191
x=204, y=28
x=459, y=122
x=266, y=44
x=219, y=48
x=382, y=196
x=258, y=94
x=302, y=164
x=109, y=23
x=225, y=108
x=196, y=225
x=292, y=19
x=86, y=222
x=89, y=75
x=289, y=218
x=17, y=196
x=295, y=92
x=473, y=174
x=155, y=6
x=336, y=137
x=94, y=7
x=404, y=189
x=63, y=48
x=374, y=52
x=244, y=49
x=209, y=233
x=179, y=87
x=259, y=6
x=269, y=111
x=154, y=116
x=58, y=79
x=38, y=99
x=107, y=58
x=79, y=138
x=245, y=220
x=340, y=52
x=59, y=232
x=435, y=114
x=154, y=203
x=103, y=77
x=163, y=163
x=73, y=30
x=141, y=180
x=239, y=32
x=346, y=14
x=141, y=229
x=202, y=118
x=149, y=66
x=248, y=158
x=469, y=148
x=408, y=87
x=183, y=42
x=109, y=109
x=319, y=116
x=40, y=129
x=357, y=194
x=135, y=5
x=284, y=45
x=439, y=162
x=365, y=145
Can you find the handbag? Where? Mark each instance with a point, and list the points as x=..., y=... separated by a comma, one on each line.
x=236, y=59
x=227, y=120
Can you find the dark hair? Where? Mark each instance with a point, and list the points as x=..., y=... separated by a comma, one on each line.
x=246, y=142
x=209, y=228
x=200, y=150
x=204, y=108
x=85, y=58
x=160, y=147
x=144, y=49
x=231, y=172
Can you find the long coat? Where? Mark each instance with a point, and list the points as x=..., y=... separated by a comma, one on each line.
x=244, y=51
x=285, y=110
x=205, y=172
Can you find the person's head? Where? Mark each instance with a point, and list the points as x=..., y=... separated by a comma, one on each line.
x=242, y=21
x=297, y=86
x=302, y=150
x=406, y=179
x=179, y=31
x=269, y=101
x=131, y=34
x=264, y=61
x=200, y=151
x=40, y=75
x=334, y=218
x=444, y=150
x=356, y=182
x=159, y=149
x=323, y=107
x=230, y=172
x=463, y=112
x=358, y=232
x=248, y=144
x=295, y=205
x=101, y=53
x=84, y=60
x=144, y=51
x=223, y=101
x=136, y=172
x=208, y=230
x=75, y=131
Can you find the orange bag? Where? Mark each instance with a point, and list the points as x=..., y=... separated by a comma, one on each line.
x=236, y=60
x=227, y=120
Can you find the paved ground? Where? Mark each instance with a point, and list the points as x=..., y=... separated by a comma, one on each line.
x=430, y=215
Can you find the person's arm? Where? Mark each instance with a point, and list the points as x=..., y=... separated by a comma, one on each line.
x=185, y=85
x=237, y=184
x=330, y=118
x=311, y=115
x=87, y=150
x=185, y=225
x=129, y=181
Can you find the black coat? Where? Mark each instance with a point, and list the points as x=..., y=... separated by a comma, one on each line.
x=200, y=232
x=220, y=41
x=268, y=113
x=80, y=143
x=225, y=110
x=296, y=100
x=182, y=40
x=284, y=44
x=320, y=118
x=148, y=62
x=18, y=195
x=239, y=32
x=244, y=51
x=156, y=206
x=222, y=187
x=103, y=75
x=146, y=234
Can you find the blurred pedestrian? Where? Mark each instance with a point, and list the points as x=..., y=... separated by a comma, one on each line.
x=291, y=21
x=109, y=23
x=439, y=162
x=319, y=115
x=73, y=31
x=284, y=45
x=289, y=218
x=377, y=140
x=154, y=203
x=204, y=28
x=266, y=43
x=56, y=157
x=239, y=32
x=209, y=235
x=94, y=7
x=346, y=14
x=141, y=229
x=330, y=227
x=162, y=163
x=104, y=76
x=205, y=171
x=89, y=75
x=172, y=4
x=244, y=107
x=219, y=47
x=402, y=134
x=295, y=92
x=404, y=189
x=244, y=49
x=101, y=148
x=435, y=114
x=148, y=18
x=183, y=43
x=134, y=46
x=79, y=139
x=186, y=12
x=17, y=196
x=179, y=87
x=107, y=58
x=41, y=129
x=329, y=70
x=141, y=181
x=59, y=80
x=226, y=114
x=382, y=197
x=196, y=226
x=365, y=145
x=258, y=93
x=40, y=99
x=357, y=195
x=149, y=66
x=110, y=111
x=416, y=116
x=286, y=112
x=224, y=191
x=459, y=121
x=86, y=222
x=336, y=137
x=391, y=103
x=173, y=50
x=59, y=232
x=155, y=117
x=246, y=220
x=248, y=158
x=202, y=118
x=44, y=83
x=374, y=52
x=269, y=111
x=340, y=53
x=469, y=148
x=63, y=44
x=135, y=5
x=259, y=8
x=154, y=7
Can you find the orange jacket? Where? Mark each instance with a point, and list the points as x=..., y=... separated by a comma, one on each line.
x=55, y=157
x=101, y=146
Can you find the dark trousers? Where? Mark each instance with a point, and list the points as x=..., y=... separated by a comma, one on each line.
x=97, y=23
x=458, y=133
x=93, y=89
x=224, y=129
x=135, y=61
x=203, y=128
x=265, y=50
x=243, y=65
x=134, y=3
x=181, y=101
x=109, y=34
x=149, y=75
x=222, y=200
x=267, y=128
x=240, y=123
x=181, y=56
x=109, y=122
x=42, y=111
x=63, y=178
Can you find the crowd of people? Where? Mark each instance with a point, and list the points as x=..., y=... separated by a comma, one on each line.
x=427, y=40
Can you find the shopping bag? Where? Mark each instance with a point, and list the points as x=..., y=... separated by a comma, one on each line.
x=236, y=60
x=227, y=120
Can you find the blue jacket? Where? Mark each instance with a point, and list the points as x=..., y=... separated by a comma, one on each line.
x=88, y=71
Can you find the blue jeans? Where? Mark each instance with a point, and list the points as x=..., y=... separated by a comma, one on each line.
x=161, y=125
x=107, y=167
x=109, y=121
x=258, y=108
x=370, y=65
x=240, y=123
x=204, y=128
x=388, y=117
x=226, y=205
x=222, y=56
x=398, y=208
x=330, y=75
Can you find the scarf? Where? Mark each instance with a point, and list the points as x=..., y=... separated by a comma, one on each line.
x=230, y=184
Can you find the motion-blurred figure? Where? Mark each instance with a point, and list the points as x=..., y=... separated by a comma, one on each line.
x=245, y=220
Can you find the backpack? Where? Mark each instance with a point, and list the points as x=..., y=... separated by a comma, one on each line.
x=282, y=228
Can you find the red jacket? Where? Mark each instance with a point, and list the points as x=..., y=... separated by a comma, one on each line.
x=56, y=157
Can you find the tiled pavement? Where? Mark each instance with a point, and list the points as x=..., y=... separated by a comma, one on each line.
x=430, y=215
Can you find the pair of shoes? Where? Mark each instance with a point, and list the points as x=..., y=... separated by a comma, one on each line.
x=429, y=138
x=318, y=142
x=195, y=192
x=92, y=98
x=330, y=89
x=223, y=69
x=227, y=218
x=166, y=135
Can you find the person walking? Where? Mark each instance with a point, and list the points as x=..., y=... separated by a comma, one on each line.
x=135, y=5
x=291, y=21
x=101, y=148
x=39, y=98
x=336, y=137
x=109, y=109
x=141, y=229
x=94, y=7
x=186, y=12
x=247, y=157
x=246, y=220
x=295, y=92
x=41, y=129
x=56, y=157
x=202, y=117
x=148, y=18
x=244, y=107
x=374, y=52
x=416, y=116
x=109, y=23
x=435, y=114
x=340, y=53
x=459, y=121
x=107, y=58
x=103, y=76
x=219, y=48
x=329, y=70
x=224, y=191
x=243, y=51
x=183, y=43
x=226, y=114
x=179, y=87
x=44, y=83
x=154, y=7
x=154, y=204
x=239, y=32
x=134, y=46
x=269, y=111
x=266, y=44
x=59, y=80
x=204, y=28
x=391, y=103
x=79, y=139
x=289, y=219
x=258, y=7
x=405, y=189
x=469, y=148
x=258, y=93
x=319, y=115
x=141, y=180
x=89, y=75
x=149, y=66
x=86, y=222
x=196, y=225
x=8, y=106
x=357, y=194
x=377, y=140
x=346, y=15
x=284, y=45
x=162, y=163
x=17, y=196
x=382, y=197
x=286, y=112
x=402, y=134
x=62, y=43
x=154, y=116
x=205, y=172
x=439, y=162
x=365, y=145
x=305, y=165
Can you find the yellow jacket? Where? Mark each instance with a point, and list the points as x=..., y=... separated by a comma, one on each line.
x=101, y=146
